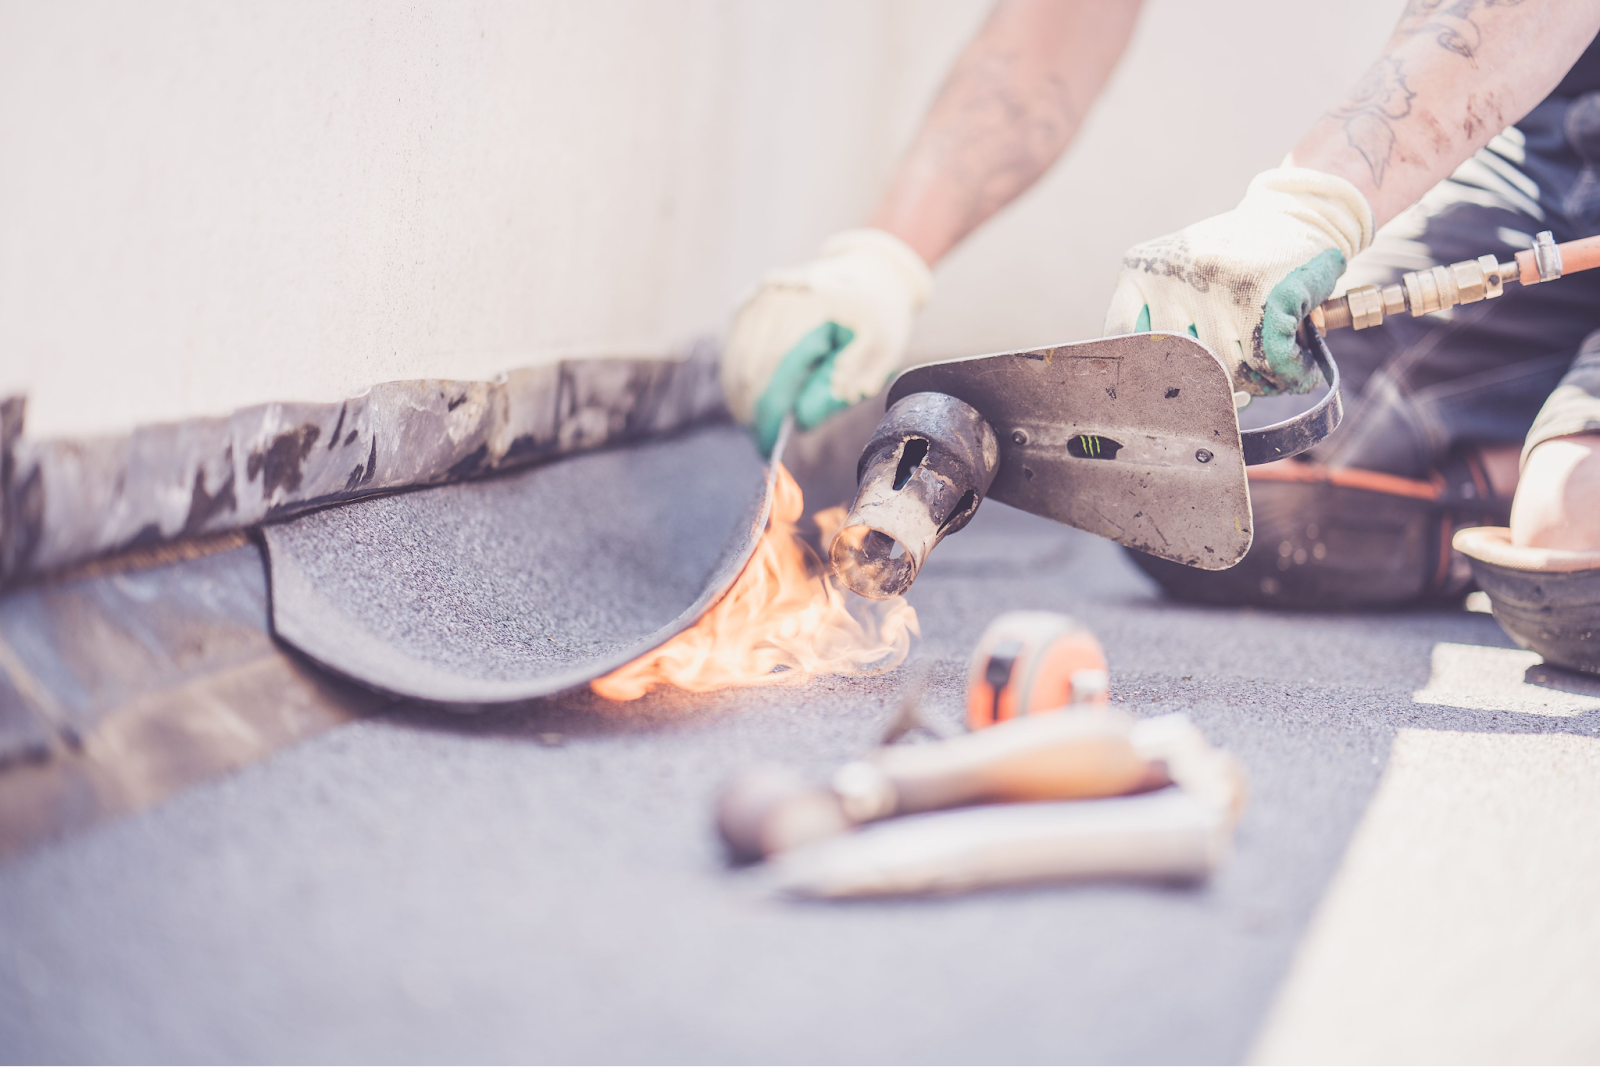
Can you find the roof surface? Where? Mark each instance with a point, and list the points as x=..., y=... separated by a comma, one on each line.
x=420, y=885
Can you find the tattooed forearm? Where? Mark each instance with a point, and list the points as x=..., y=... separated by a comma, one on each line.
x=1008, y=109
x=1450, y=23
x=1382, y=98
x=1452, y=75
x=1378, y=101
x=994, y=135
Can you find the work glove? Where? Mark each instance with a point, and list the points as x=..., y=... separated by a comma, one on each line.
x=817, y=338
x=1242, y=281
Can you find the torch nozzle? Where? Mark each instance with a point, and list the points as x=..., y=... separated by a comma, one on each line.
x=922, y=475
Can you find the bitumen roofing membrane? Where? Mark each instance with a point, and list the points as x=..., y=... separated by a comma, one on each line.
x=542, y=882
x=523, y=585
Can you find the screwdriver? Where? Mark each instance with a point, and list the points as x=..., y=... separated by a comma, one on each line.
x=1467, y=282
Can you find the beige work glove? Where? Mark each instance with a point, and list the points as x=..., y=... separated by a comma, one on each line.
x=1242, y=281
x=816, y=338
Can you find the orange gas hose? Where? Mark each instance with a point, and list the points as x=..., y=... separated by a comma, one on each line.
x=1576, y=255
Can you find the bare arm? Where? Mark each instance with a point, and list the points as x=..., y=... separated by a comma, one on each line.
x=1013, y=101
x=1454, y=74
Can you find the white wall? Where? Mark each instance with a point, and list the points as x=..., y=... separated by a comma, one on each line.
x=1209, y=95
x=207, y=205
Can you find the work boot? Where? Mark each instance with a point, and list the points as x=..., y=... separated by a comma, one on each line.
x=1329, y=538
x=1547, y=599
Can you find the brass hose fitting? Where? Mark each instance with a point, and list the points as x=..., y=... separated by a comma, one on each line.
x=1438, y=288
x=1419, y=292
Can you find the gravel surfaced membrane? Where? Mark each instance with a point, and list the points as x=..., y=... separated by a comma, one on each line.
x=525, y=585
x=543, y=882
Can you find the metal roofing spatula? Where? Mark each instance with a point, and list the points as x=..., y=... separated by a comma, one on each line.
x=1134, y=438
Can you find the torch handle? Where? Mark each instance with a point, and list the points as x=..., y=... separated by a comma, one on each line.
x=1471, y=280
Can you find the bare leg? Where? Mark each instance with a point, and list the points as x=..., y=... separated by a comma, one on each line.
x=1500, y=464
x=1558, y=498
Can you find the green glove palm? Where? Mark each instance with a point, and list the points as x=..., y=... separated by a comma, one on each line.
x=817, y=338
x=802, y=384
x=1241, y=282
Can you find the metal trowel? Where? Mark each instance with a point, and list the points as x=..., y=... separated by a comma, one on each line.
x=1135, y=438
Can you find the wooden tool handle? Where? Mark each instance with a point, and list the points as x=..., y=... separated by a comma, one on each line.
x=1056, y=755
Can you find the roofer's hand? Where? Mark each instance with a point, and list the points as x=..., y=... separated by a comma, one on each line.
x=817, y=338
x=1242, y=281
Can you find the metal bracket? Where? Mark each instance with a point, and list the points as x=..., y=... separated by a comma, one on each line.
x=1547, y=256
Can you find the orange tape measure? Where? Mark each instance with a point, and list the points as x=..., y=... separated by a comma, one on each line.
x=1030, y=661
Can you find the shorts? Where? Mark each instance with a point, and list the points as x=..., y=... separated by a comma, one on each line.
x=1574, y=407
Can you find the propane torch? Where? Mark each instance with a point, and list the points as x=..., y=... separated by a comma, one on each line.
x=1134, y=438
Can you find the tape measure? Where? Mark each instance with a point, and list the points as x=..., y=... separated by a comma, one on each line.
x=1030, y=661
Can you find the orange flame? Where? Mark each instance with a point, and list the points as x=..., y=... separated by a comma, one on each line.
x=784, y=621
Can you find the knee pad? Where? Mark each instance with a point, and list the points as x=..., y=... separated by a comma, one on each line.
x=1340, y=539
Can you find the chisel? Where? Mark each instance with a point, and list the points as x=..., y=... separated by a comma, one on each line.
x=1170, y=835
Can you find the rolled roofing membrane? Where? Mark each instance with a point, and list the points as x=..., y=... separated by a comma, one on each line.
x=524, y=585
